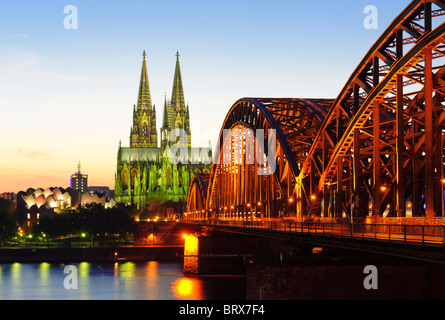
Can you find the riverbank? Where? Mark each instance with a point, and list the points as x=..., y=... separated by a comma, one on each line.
x=93, y=254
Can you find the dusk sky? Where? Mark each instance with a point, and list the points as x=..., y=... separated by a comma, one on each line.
x=67, y=95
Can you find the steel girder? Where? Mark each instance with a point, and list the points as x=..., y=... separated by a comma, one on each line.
x=377, y=148
x=197, y=195
x=387, y=154
x=235, y=187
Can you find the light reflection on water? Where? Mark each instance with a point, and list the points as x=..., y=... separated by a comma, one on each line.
x=119, y=281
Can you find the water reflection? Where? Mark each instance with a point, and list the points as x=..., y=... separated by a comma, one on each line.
x=188, y=289
x=115, y=281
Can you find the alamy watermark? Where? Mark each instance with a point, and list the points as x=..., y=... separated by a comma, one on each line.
x=71, y=21
x=71, y=280
x=235, y=147
x=371, y=21
x=371, y=280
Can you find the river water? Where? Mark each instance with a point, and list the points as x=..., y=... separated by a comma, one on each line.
x=114, y=281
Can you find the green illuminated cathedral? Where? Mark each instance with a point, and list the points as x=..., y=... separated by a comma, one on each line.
x=148, y=170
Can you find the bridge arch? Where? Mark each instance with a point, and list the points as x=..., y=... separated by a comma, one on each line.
x=394, y=94
x=259, y=155
x=197, y=196
x=376, y=150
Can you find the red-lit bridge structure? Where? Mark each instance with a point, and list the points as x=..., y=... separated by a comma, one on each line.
x=366, y=165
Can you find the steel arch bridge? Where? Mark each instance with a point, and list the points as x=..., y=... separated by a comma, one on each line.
x=376, y=150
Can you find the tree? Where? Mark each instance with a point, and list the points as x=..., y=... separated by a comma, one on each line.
x=8, y=227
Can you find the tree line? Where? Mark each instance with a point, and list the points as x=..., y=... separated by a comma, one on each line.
x=92, y=220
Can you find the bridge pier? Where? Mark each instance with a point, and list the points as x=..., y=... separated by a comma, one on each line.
x=299, y=269
x=228, y=253
x=341, y=278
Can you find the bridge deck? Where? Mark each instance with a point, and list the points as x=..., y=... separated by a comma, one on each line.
x=425, y=242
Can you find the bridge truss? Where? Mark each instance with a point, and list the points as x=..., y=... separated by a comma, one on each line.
x=376, y=150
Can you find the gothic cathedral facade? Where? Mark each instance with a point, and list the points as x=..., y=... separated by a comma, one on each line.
x=147, y=171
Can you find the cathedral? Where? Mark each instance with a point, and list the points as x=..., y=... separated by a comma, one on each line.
x=148, y=170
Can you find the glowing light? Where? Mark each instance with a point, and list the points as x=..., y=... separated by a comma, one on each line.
x=291, y=200
x=232, y=207
x=248, y=205
x=259, y=204
x=317, y=250
x=191, y=245
x=184, y=235
x=383, y=188
x=188, y=288
x=83, y=235
x=313, y=197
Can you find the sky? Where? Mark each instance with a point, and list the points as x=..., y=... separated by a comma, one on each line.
x=67, y=95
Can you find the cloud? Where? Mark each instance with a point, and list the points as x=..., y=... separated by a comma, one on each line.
x=35, y=154
x=14, y=36
x=33, y=66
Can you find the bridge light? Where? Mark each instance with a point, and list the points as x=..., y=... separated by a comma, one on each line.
x=259, y=204
x=248, y=205
x=313, y=197
x=443, y=181
x=225, y=208
x=383, y=188
x=232, y=207
x=291, y=200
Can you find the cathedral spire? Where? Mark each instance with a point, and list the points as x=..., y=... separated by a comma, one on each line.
x=165, y=115
x=177, y=101
x=144, y=98
x=143, y=132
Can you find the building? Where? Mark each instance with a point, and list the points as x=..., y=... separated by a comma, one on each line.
x=79, y=181
x=101, y=190
x=148, y=170
x=54, y=200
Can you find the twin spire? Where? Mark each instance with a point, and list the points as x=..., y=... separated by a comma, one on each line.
x=143, y=133
x=144, y=97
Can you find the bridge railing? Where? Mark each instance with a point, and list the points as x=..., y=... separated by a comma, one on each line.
x=402, y=233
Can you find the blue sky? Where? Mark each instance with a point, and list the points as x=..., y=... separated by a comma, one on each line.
x=67, y=95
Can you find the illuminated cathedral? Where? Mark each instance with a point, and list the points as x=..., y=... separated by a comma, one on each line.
x=148, y=170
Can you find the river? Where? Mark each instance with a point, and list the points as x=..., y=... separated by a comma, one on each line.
x=150, y=280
